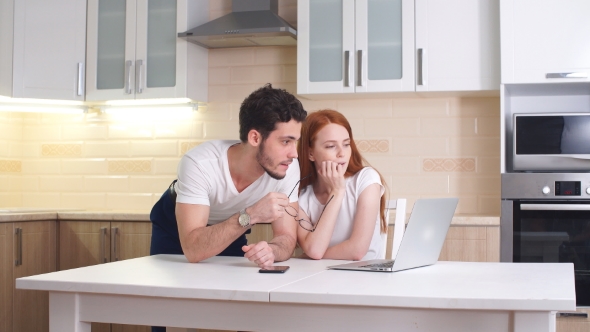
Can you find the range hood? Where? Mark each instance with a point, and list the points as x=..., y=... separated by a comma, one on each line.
x=251, y=23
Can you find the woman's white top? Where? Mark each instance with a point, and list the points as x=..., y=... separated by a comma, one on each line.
x=344, y=222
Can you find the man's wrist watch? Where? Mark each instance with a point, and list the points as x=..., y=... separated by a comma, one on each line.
x=244, y=219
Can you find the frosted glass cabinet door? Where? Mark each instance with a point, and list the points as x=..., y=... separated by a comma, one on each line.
x=325, y=46
x=384, y=45
x=355, y=46
x=546, y=45
x=111, y=50
x=159, y=50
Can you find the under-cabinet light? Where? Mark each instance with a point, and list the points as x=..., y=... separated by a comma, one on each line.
x=8, y=104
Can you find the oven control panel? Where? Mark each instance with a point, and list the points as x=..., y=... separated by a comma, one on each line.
x=546, y=186
x=567, y=188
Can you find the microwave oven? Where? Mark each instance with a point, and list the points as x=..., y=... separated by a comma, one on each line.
x=551, y=142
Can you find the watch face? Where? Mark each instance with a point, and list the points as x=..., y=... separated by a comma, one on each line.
x=244, y=219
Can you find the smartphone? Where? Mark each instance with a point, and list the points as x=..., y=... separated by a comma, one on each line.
x=274, y=269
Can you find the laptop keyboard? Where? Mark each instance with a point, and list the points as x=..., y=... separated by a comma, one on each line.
x=379, y=265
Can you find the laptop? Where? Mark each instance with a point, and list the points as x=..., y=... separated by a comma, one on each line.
x=422, y=241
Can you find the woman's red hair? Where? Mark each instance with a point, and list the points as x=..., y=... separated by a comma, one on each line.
x=311, y=126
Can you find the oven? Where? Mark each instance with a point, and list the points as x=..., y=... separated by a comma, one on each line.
x=545, y=177
x=546, y=218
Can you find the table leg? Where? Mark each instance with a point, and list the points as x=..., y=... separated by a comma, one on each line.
x=64, y=313
x=534, y=321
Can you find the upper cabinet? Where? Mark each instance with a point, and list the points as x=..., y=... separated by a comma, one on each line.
x=42, y=49
x=457, y=45
x=372, y=46
x=133, y=50
x=355, y=46
x=545, y=41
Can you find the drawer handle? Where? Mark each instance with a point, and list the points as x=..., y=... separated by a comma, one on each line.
x=103, y=238
x=573, y=314
x=114, y=233
x=19, y=246
x=566, y=75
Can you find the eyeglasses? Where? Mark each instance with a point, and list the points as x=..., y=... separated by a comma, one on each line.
x=304, y=223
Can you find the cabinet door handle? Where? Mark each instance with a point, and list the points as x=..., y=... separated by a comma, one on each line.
x=128, y=65
x=346, y=68
x=103, y=239
x=573, y=314
x=80, y=90
x=114, y=233
x=360, y=68
x=19, y=246
x=139, y=76
x=420, y=58
x=566, y=75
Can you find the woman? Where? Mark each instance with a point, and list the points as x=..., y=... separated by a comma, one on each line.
x=341, y=202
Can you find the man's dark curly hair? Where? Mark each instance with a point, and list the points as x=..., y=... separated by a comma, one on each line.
x=267, y=106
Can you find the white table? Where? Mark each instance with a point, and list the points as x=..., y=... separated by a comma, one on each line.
x=229, y=293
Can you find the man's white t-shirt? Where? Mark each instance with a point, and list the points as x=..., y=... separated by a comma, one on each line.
x=345, y=220
x=204, y=178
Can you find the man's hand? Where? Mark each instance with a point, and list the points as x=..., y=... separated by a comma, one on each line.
x=260, y=253
x=269, y=208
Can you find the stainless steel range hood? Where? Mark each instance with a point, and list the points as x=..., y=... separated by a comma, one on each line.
x=251, y=23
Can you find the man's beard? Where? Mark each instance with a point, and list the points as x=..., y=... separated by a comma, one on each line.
x=264, y=161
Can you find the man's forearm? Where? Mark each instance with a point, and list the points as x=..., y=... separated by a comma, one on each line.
x=206, y=242
x=282, y=247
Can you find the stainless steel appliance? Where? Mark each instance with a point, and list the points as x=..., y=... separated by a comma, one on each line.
x=546, y=218
x=545, y=206
x=251, y=23
x=551, y=142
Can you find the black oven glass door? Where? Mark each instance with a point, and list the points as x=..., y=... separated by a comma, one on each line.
x=567, y=134
x=555, y=231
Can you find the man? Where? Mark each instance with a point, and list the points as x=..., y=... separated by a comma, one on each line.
x=226, y=187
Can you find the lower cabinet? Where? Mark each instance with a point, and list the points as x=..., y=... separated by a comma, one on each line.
x=84, y=243
x=472, y=244
x=26, y=248
x=574, y=324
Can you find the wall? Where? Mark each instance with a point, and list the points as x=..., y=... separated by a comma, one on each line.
x=10, y=158
x=424, y=147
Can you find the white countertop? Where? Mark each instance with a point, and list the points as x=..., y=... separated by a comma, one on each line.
x=445, y=285
x=217, y=278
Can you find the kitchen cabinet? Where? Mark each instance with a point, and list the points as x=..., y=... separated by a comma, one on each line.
x=6, y=283
x=545, y=41
x=367, y=46
x=42, y=49
x=84, y=243
x=355, y=46
x=133, y=50
x=466, y=243
x=457, y=45
x=471, y=244
x=574, y=324
x=26, y=248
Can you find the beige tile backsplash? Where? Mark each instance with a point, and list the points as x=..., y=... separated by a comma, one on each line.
x=423, y=147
